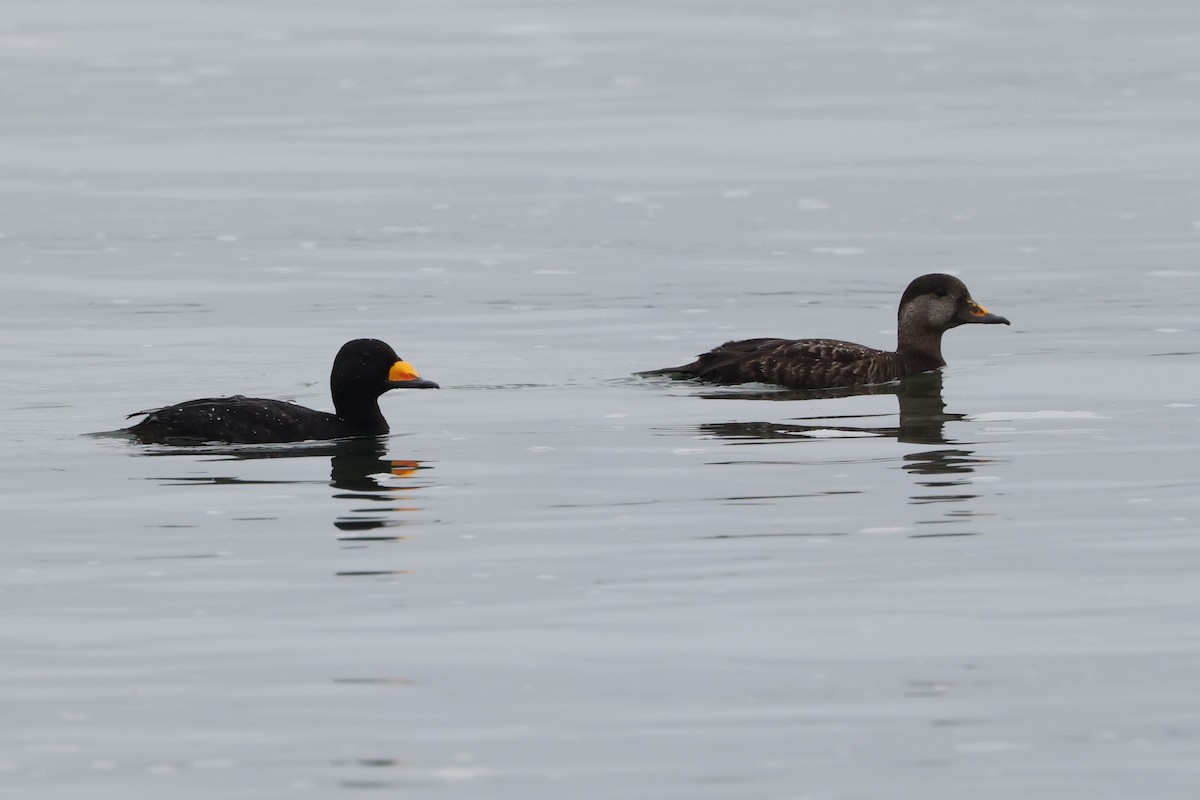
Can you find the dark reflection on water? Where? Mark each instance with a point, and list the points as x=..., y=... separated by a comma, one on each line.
x=922, y=413
x=922, y=420
x=938, y=462
x=251, y=452
x=370, y=573
x=359, y=471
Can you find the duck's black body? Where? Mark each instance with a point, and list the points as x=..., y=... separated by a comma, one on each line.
x=362, y=371
x=241, y=419
x=930, y=306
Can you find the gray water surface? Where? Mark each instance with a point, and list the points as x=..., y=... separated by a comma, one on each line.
x=554, y=579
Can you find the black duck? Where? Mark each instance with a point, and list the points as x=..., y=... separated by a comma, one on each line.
x=362, y=371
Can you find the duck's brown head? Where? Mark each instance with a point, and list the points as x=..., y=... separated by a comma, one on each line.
x=938, y=302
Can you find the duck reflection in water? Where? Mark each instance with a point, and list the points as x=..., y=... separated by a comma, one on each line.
x=922, y=420
x=360, y=471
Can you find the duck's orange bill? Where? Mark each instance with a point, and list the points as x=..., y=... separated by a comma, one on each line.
x=976, y=309
x=403, y=371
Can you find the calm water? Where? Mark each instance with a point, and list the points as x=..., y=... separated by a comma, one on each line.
x=553, y=579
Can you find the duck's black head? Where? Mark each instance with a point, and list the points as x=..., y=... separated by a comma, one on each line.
x=939, y=302
x=366, y=368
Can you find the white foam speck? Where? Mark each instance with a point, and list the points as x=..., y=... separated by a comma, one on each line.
x=1181, y=405
x=831, y=433
x=811, y=204
x=26, y=43
x=735, y=194
x=456, y=774
x=839, y=251
x=1009, y=416
x=688, y=451
x=906, y=48
x=892, y=529
x=990, y=747
x=539, y=449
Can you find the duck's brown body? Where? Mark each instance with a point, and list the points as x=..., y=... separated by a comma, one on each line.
x=803, y=363
x=930, y=306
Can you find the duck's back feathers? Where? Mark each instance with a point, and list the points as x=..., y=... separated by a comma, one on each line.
x=797, y=364
x=251, y=420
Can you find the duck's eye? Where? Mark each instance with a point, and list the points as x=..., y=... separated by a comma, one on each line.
x=940, y=292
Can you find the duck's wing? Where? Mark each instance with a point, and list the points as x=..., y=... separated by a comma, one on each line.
x=795, y=363
x=234, y=419
x=193, y=405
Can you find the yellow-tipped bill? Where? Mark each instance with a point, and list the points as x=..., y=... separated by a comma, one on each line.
x=403, y=371
x=977, y=313
x=404, y=375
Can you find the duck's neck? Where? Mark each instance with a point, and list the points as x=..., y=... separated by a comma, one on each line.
x=919, y=344
x=361, y=412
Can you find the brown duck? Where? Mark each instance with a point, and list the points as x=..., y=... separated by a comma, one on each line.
x=930, y=306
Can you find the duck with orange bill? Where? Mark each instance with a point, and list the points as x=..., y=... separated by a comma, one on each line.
x=362, y=371
x=930, y=306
